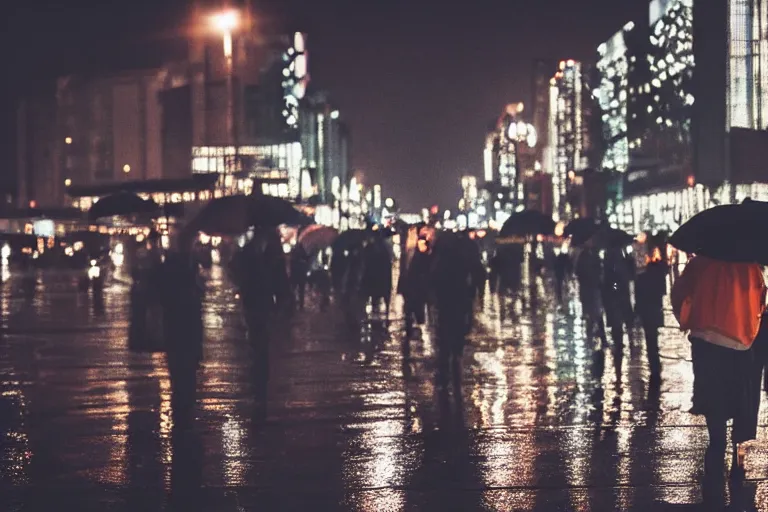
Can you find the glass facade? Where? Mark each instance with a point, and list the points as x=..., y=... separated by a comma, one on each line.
x=567, y=131
x=275, y=161
x=670, y=89
x=613, y=66
x=748, y=64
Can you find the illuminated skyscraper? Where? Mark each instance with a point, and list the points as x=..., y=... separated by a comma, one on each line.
x=613, y=98
x=539, y=110
x=568, y=131
x=706, y=102
x=509, y=154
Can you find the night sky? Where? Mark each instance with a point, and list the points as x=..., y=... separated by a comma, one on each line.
x=417, y=81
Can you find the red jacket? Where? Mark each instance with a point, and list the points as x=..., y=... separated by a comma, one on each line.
x=720, y=302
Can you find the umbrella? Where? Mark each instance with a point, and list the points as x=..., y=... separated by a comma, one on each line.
x=528, y=222
x=222, y=216
x=317, y=237
x=233, y=215
x=271, y=211
x=121, y=203
x=603, y=236
x=618, y=238
x=580, y=230
x=351, y=238
x=731, y=232
x=578, y=226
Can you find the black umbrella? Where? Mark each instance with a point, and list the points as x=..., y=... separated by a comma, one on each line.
x=732, y=232
x=580, y=230
x=618, y=238
x=122, y=203
x=270, y=211
x=233, y=215
x=528, y=222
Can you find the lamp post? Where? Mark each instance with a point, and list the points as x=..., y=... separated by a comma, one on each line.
x=225, y=23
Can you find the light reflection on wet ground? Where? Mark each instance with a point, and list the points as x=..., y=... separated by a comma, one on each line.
x=351, y=422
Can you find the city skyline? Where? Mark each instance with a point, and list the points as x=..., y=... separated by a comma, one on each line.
x=413, y=118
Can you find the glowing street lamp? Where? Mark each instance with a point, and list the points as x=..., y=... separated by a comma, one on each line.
x=225, y=23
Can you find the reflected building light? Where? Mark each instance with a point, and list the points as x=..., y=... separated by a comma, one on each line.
x=233, y=440
x=385, y=455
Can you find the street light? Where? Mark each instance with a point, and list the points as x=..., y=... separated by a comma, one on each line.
x=225, y=23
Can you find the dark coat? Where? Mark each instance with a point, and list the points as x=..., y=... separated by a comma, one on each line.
x=650, y=289
x=589, y=274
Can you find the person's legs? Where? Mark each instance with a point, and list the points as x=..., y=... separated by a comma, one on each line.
x=408, y=312
x=617, y=335
x=652, y=346
x=714, y=460
x=713, y=486
x=601, y=331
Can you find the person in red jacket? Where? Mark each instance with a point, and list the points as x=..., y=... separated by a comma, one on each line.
x=721, y=304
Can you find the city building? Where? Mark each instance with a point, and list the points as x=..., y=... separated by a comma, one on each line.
x=293, y=143
x=472, y=211
x=235, y=107
x=542, y=73
x=704, y=139
x=106, y=128
x=325, y=141
x=264, y=150
x=613, y=98
x=35, y=130
x=509, y=156
x=569, y=134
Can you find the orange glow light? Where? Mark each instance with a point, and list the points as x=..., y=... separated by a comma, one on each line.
x=226, y=21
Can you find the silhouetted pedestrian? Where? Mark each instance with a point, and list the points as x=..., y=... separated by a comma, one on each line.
x=562, y=269
x=183, y=328
x=721, y=304
x=650, y=289
x=589, y=275
x=414, y=286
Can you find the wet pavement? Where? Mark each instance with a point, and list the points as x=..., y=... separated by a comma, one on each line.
x=351, y=419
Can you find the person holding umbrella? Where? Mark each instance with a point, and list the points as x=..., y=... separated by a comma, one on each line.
x=719, y=298
x=650, y=289
x=589, y=273
x=414, y=286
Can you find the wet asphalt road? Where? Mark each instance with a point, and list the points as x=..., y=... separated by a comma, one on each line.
x=350, y=421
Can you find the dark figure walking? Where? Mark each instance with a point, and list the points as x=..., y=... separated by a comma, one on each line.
x=563, y=267
x=650, y=289
x=617, y=274
x=721, y=304
x=454, y=293
x=510, y=269
x=376, y=282
x=183, y=328
x=589, y=274
x=414, y=287
x=299, y=262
